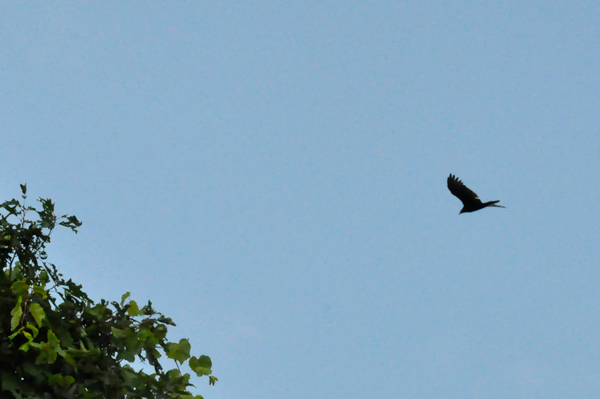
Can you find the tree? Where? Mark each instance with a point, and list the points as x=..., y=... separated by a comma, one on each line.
x=55, y=342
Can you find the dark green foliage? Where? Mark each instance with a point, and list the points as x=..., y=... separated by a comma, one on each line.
x=55, y=342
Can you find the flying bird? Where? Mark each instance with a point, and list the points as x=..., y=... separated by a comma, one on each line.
x=470, y=200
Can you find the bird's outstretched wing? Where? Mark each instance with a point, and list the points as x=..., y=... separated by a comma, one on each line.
x=462, y=192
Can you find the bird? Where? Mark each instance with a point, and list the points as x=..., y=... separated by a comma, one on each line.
x=470, y=200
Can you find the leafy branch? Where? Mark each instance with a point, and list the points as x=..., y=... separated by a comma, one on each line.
x=55, y=340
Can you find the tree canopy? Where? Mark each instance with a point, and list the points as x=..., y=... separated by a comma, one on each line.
x=55, y=342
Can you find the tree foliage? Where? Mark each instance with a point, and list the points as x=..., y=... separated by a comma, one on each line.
x=55, y=342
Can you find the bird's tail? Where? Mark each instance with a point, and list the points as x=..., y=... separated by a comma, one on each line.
x=493, y=203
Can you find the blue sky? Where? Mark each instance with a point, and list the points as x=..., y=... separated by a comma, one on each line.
x=272, y=175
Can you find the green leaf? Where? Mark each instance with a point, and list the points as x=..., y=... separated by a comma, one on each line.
x=82, y=347
x=56, y=380
x=53, y=340
x=44, y=278
x=212, y=379
x=49, y=350
x=48, y=221
x=28, y=336
x=160, y=331
x=117, y=333
x=180, y=351
x=97, y=311
x=148, y=336
x=16, y=313
x=71, y=361
x=11, y=206
x=133, y=309
x=33, y=329
x=20, y=287
x=23, y=189
x=13, y=335
x=25, y=347
x=154, y=352
x=201, y=366
x=124, y=297
x=166, y=320
x=127, y=355
x=60, y=380
x=47, y=354
x=41, y=291
x=71, y=223
x=38, y=313
x=47, y=204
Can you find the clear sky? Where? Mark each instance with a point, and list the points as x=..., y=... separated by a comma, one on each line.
x=272, y=175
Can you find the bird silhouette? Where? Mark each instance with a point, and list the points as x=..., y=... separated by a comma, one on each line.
x=470, y=200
